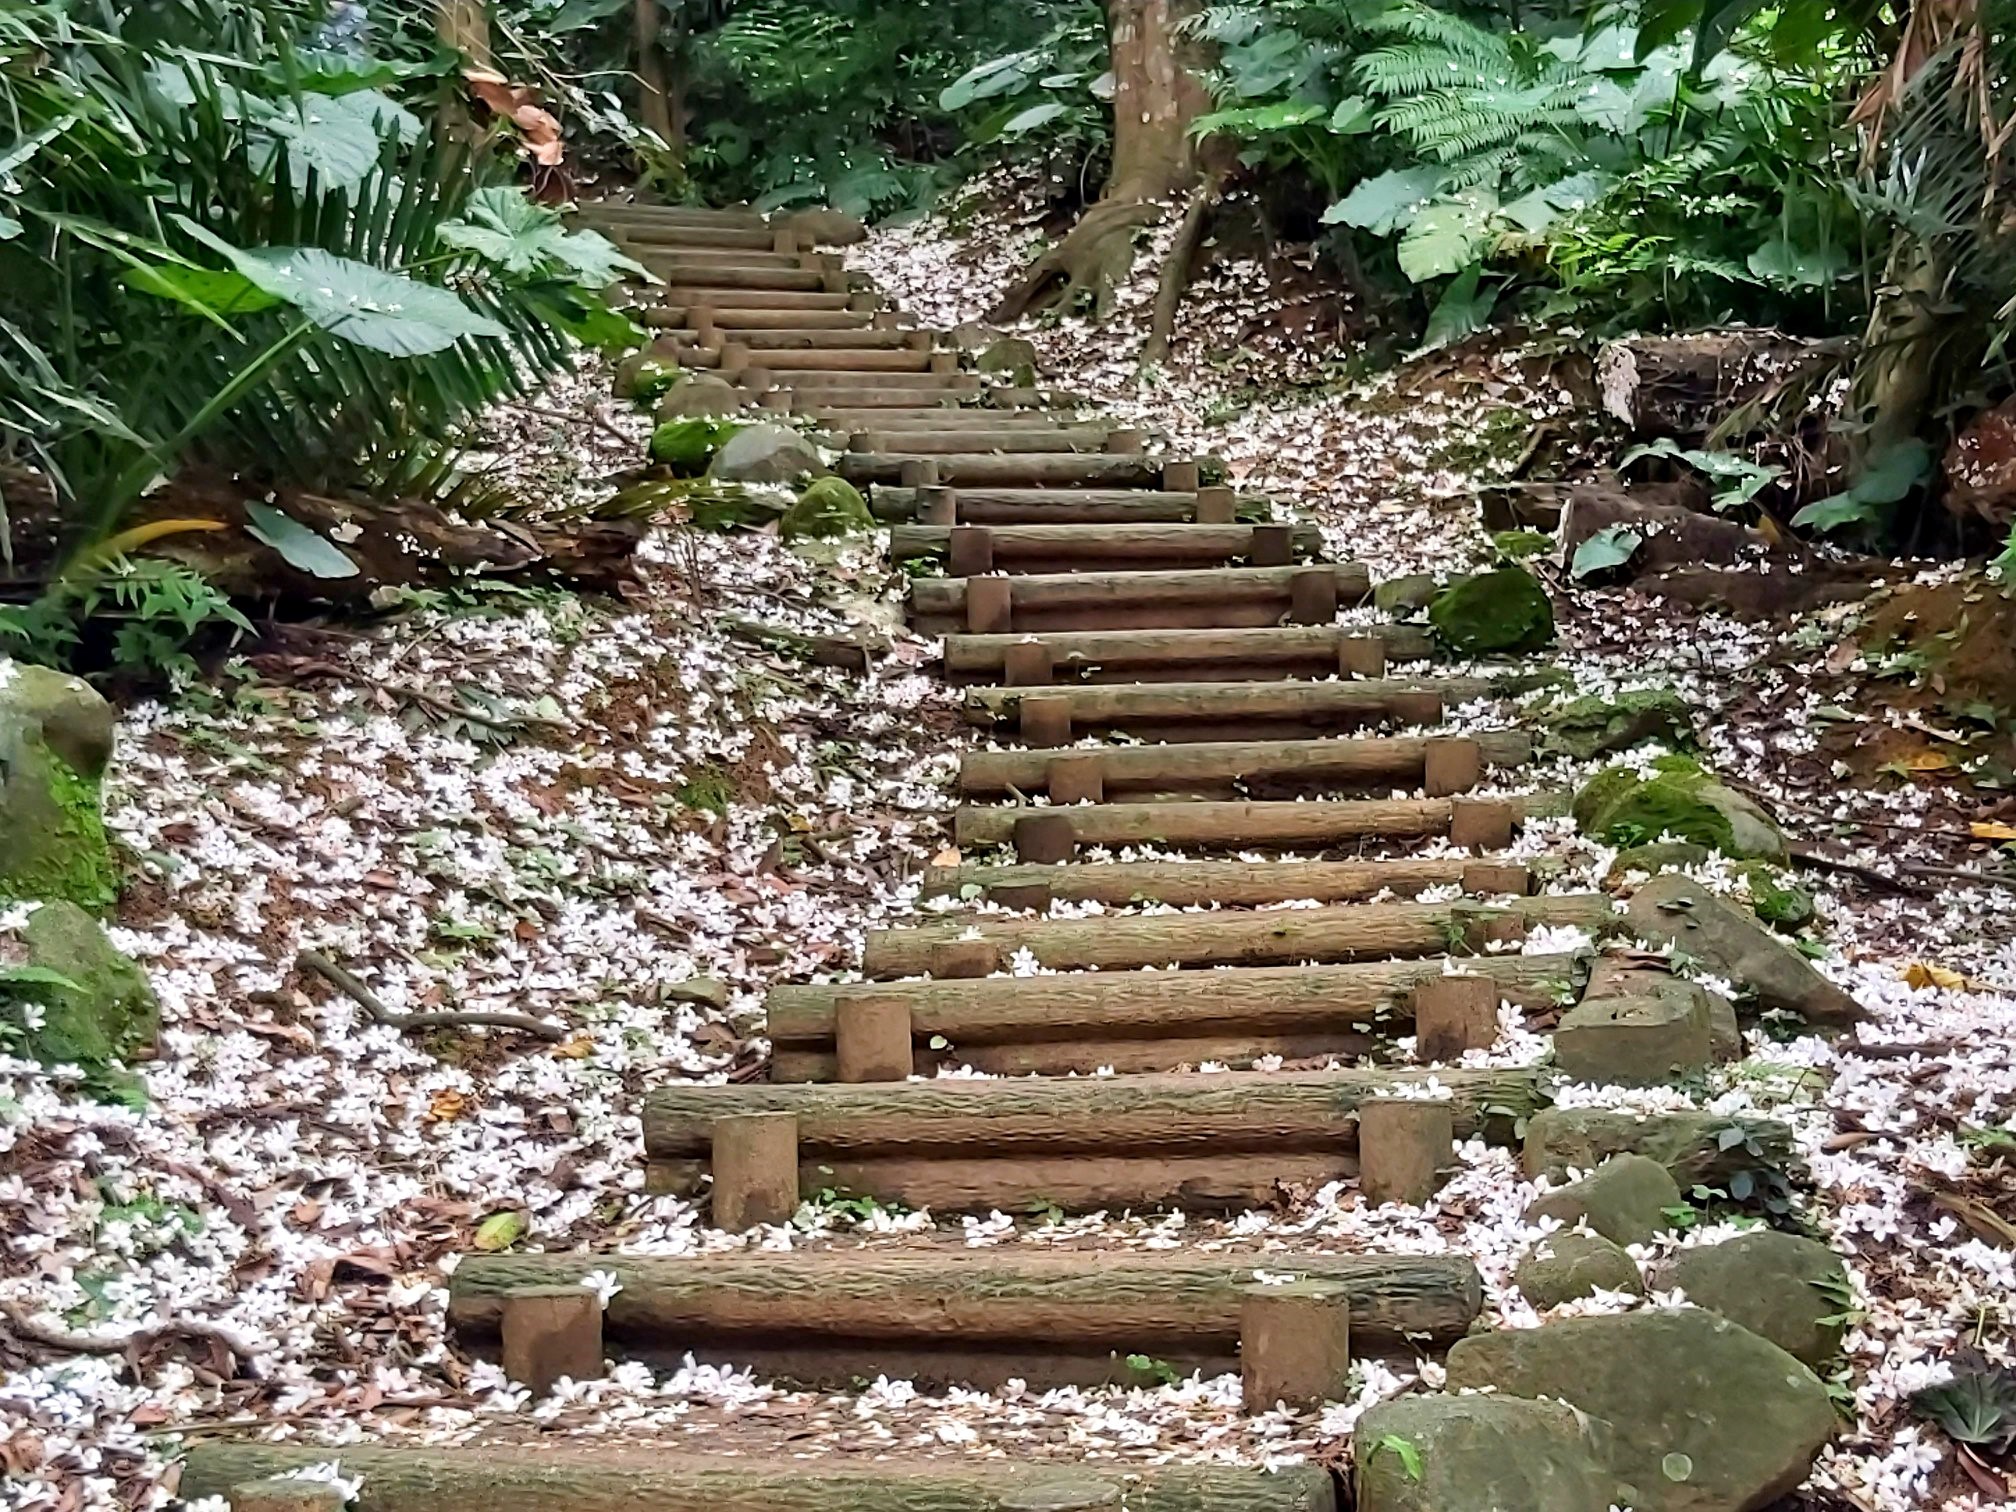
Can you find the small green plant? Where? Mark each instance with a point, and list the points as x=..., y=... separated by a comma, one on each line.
x=1848, y=1312
x=156, y=611
x=1408, y=1452
x=1977, y=1407
x=710, y=790
x=838, y=1204
x=1147, y=1367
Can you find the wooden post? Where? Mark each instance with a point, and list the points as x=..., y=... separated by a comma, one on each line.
x=550, y=1332
x=1028, y=664
x=1126, y=440
x=1409, y=707
x=1272, y=546
x=1480, y=824
x=916, y=341
x=1077, y=778
x=918, y=472
x=940, y=505
x=944, y=362
x=990, y=606
x=872, y=1038
x=1363, y=656
x=1452, y=764
x=1034, y=896
x=1216, y=506
x=1179, y=477
x=755, y=1164
x=1453, y=1014
x=864, y=302
x=1045, y=838
x=285, y=1493
x=832, y=281
x=735, y=358
x=777, y=399
x=784, y=240
x=969, y=551
x=1486, y=877
x=1312, y=596
x=964, y=960
x=1045, y=719
x=1294, y=1343
x=1403, y=1145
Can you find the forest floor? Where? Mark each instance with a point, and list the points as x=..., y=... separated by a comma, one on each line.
x=645, y=821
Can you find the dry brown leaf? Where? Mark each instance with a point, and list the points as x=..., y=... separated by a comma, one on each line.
x=1992, y=830
x=446, y=1105
x=578, y=1048
x=946, y=857
x=1924, y=974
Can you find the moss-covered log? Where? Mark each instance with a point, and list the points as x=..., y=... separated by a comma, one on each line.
x=606, y=1477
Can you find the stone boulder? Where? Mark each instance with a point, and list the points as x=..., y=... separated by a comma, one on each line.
x=1571, y=1265
x=1708, y=1416
x=55, y=740
x=1639, y=1026
x=1788, y=1289
x=828, y=507
x=1777, y=899
x=1627, y=1199
x=1677, y=799
x=1677, y=911
x=688, y=446
x=826, y=228
x=1590, y=727
x=1697, y=1149
x=766, y=454
x=1655, y=857
x=1011, y=358
x=1641, y=974
x=702, y=394
x=79, y=1000
x=1404, y=595
x=1471, y=1453
x=1494, y=612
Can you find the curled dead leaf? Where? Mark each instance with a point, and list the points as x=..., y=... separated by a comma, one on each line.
x=578, y=1048
x=446, y=1105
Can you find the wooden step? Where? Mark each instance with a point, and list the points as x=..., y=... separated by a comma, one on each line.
x=895, y=364
x=994, y=469
x=812, y=393
x=1134, y=1021
x=934, y=417
x=1314, y=825
x=759, y=284
x=1055, y=716
x=1187, y=884
x=699, y=264
x=558, y=1475
x=792, y=338
x=741, y=318
x=1238, y=937
x=1073, y=548
x=1229, y=768
x=813, y=382
x=632, y=213
x=1222, y=597
x=716, y=298
x=1267, y=653
x=656, y=238
x=1209, y=1142
x=1007, y=437
x=1047, y=506
x=969, y=1317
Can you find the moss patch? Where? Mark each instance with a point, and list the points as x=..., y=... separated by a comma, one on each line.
x=1678, y=799
x=1777, y=900
x=54, y=846
x=1591, y=727
x=688, y=446
x=1502, y=611
x=827, y=508
x=100, y=1012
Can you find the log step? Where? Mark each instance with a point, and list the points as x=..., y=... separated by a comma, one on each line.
x=613, y=1477
x=632, y=213
x=729, y=317
x=897, y=364
x=1005, y=437
x=652, y=238
x=711, y=296
x=683, y=274
x=990, y=469
x=1230, y=768
x=1208, y=1142
x=1227, y=597
x=1119, y=656
x=819, y=1318
x=1186, y=884
x=1267, y=937
x=792, y=338
x=1131, y=1021
x=1067, y=548
x=941, y=417
x=1053, y=506
x=812, y=392
x=812, y=382
x=1486, y=824
x=1218, y=710
x=671, y=263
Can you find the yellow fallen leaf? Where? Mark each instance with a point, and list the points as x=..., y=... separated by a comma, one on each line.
x=1925, y=974
x=578, y=1048
x=446, y=1105
x=1989, y=830
x=1925, y=761
x=946, y=857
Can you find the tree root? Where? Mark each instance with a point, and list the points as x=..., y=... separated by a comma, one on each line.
x=133, y=1345
x=1091, y=260
x=1178, y=266
x=347, y=984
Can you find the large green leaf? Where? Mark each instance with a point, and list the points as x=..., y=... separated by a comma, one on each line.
x=213, y=293
x=1612, y=546
x=1462, y=311
x=1385, y=204
x=1024, y=121
x=1448, y=236
x=1785, y=264
x=503, y=226
x=996, y=76
x=300, y=547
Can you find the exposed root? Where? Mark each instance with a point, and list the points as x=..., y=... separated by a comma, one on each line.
x=1090, y=262
x=365, y=998
x=1178, y=266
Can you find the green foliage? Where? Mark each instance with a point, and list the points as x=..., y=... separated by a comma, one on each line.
x=1736, y=480
x=1977, y=1407
x=1407, y=1451
x=149, y=611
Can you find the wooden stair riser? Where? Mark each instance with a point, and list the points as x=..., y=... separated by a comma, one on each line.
x=1234, y=768
x=814, y=338
x=1012, y=470
x=765, y=283
x=1188, y=884
x=1223, y=598
x=650, y=239
x=1206, y=711
x=978, y=438
x=835, y=321
x=930, y=417
x=1100, y=548
x=695, y=264
x=698, y=299
x=896, y=365
x=1212, y=825
x=605, y=213
x=807, y=385
x=1269, y=653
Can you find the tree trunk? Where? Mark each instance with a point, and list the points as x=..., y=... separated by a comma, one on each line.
x=662, y=109
x=1158, y=90
x=465, y=26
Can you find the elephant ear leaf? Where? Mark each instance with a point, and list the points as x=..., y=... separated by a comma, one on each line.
x=300, y=547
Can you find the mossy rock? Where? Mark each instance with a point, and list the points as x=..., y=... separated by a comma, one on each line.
x=828, y=507
x=644, y=375
x=1518, y=545
x=55, y=738
x=89, y=1005
x=1569, y=1265
x=1591, y=727
x=1778, y=900
x=1011, y=358
x=1403, y=595
x=1499, y=612
x=688, y=446
x=1679, y=800
x=1656, y=857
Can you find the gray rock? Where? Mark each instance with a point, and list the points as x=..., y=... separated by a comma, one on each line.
x=1626, y=1199
x=699, y=394
x=827, y=228
x=1781, y=1286
x=1677, y=798
x=1708, y=1417
x=765, y=454
x=1012, y=358
x=1689, y=1145
x=100, y=1013
x=1403, y=595
x=703, y=989
x=1729, y=941
x=1590, y=727
x=1640, y=975
x=1472, y=1453
x=1571, y=1265
x=55, y=738
x=1635, y=1039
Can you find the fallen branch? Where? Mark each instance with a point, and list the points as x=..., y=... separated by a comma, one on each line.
x=347, y=984
x=132, y=1344
x=1807, y=856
